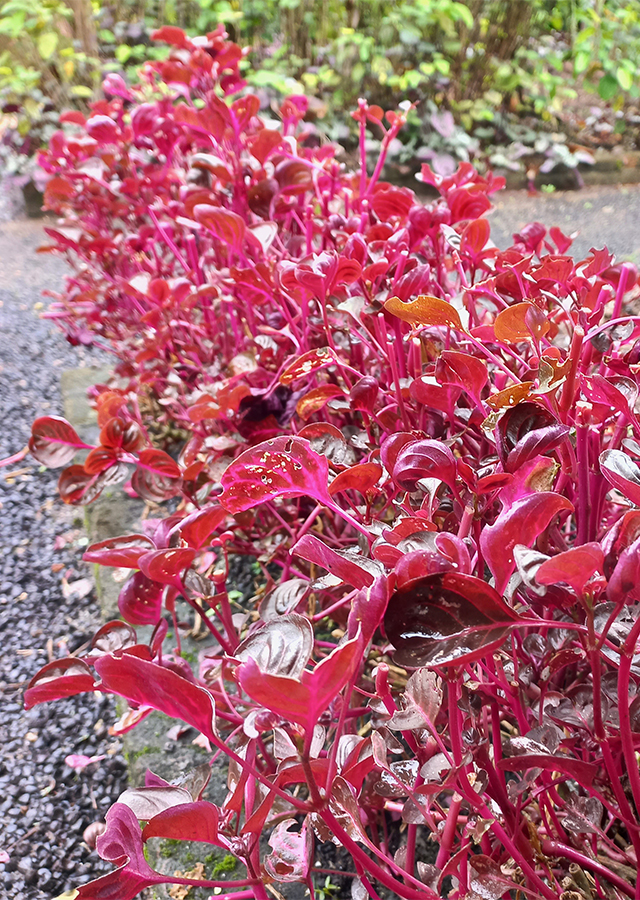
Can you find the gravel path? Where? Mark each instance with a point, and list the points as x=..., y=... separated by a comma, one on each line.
x=47, y=608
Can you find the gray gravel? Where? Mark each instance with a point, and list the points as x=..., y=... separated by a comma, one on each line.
x=44, y=805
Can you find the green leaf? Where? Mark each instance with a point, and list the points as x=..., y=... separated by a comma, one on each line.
x=81, y=90
x=625, y=78
x=123, y=52
x=47, y=44
x=608, y=86
x=462, y=13
x=581, y=62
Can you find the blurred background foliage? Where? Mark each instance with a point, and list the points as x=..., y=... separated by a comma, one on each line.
x=482, y=73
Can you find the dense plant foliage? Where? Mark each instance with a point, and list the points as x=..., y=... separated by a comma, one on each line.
x=367, y=387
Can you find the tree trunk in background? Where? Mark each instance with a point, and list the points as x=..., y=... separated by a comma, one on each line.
x=84, y=26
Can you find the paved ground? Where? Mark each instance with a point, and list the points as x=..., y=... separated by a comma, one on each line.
x=44, y=806
x=601, y=215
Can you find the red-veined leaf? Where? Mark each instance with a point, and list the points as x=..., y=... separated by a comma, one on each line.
x=573, y=567
x=140, y=600
x=227, y=226
x=187, y=822
x=54, y=442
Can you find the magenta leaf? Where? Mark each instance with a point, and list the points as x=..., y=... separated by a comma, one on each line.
x=60, y=678
x=292, y=851
x=424, y=459
x=124, y=551
x=196, y=529
x=157, y=476
x=149, y=684
x=282, y=467
x=113, y=636
x=583, y=772
x=446, y=618
x=522, y=523
x=54, y=442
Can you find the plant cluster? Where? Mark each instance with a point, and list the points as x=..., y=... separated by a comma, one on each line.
x=429, y=445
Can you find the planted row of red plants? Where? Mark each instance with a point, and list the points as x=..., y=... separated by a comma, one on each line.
x=368, y=388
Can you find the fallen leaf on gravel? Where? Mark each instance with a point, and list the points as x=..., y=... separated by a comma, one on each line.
x=78, y=589
x=180, y=891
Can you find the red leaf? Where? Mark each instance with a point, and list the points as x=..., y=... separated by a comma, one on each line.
x=197, y=528
x=474, y=237
x=281, y=467
x=265, y=142
x=305, y=700
x=60, y=678
x=170, y=34
x=140, y=600
x=167, y=566
x=573, y=567
x=521, y=322
x=188, y=822
x=54, y=442
x=227, y=226
x=424, y=459
x=462, y=369
x=362, y=477
x=290, y=858
x=392, y=202
x=316, y=399
x=522, y=523
x=149, y=684
x=124, y=551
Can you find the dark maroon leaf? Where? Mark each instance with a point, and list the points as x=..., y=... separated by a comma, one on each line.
x=124, y=551
x=77, y=488
x=147, y=802
x=54, y=442
x=284, y=598
x=60, y=678
x=468, y=372
x=534, y=443
x=445, y=619
x=113, y=636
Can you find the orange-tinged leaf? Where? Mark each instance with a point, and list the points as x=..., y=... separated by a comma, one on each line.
x=314, y=401
x=424, y=310
x=510, y=396
x=361, y=478
x=520, y=322
x=308, y=363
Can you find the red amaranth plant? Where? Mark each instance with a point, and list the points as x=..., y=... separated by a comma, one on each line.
x=370, y=388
